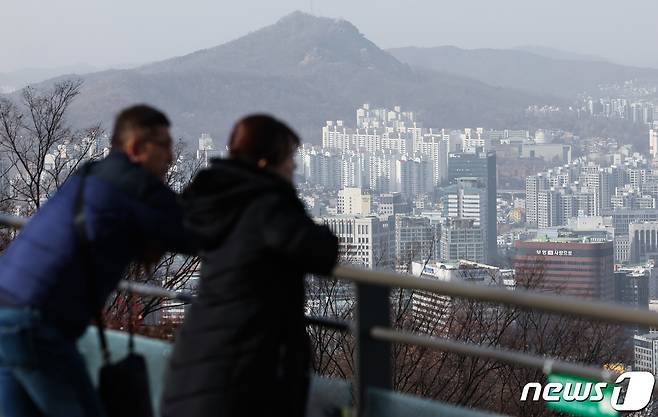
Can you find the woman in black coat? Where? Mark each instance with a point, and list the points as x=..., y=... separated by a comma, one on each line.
x=243, y=349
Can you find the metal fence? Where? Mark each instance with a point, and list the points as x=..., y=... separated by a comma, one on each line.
x=374, y=334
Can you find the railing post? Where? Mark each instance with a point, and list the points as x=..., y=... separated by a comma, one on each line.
x=373, y=358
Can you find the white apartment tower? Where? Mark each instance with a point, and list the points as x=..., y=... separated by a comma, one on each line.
x=412, y=176
x=434, y=145
x=548, y=207
x=533, y=185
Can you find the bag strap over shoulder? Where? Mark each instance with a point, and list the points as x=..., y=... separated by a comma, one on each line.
x=79, y=224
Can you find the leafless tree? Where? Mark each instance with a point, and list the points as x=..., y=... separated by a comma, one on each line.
x=333, y=350
x=172, y=271
x=39, y=148
x=473, y=381
x=185, y=167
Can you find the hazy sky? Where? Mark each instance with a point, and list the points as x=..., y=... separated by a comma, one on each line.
x=47, y=33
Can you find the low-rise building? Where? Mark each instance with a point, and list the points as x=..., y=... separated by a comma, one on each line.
x=646, y=353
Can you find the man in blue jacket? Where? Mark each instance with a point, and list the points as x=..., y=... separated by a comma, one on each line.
x=46, y=298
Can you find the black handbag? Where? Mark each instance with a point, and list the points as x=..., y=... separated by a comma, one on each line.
x=123, y=386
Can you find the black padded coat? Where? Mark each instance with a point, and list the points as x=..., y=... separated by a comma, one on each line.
x=243, y=350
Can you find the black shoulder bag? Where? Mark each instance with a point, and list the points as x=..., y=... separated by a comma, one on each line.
x=123, y=386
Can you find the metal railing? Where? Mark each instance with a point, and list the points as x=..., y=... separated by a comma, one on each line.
x=155, y=291
x=14, y=222
x=374, y=334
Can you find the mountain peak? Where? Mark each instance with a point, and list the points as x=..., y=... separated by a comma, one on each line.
x=296, y=15
x=299, y=18
x=296, y=43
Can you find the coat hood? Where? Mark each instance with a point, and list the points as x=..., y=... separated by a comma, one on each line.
x=217, y=196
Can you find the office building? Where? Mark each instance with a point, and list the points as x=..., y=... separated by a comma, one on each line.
x=622, y=218
x=467, y=198
x=353, y=201
x=643, y=238
x=646, y=353
x=632, y=290
x=433, y=310
x=580, y=266
x=632, y=287
x=415, y=239
x=391, y=204
x=462, y=240
x=362, y=240
x=622, y=247
x=482, y=165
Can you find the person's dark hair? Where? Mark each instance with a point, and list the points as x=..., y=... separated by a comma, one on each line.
x=141, y=117
x=260, y=136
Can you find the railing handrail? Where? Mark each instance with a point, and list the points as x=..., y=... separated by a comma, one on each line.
x=518, y=297
x=155, y=291
x=546, y=365
x=15, y=222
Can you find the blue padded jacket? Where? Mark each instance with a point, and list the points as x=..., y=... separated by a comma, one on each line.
x=126, y=210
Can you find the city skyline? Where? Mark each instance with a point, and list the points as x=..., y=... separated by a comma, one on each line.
x=444, y=202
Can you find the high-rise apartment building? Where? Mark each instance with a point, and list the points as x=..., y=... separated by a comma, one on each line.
x=413, y=176
x=548, y=207
x=598, y=182
x=534, y=184
x=434, y=145
x=321, y=167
